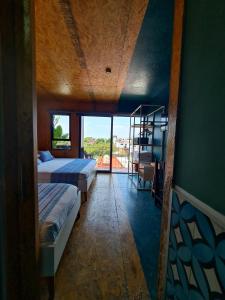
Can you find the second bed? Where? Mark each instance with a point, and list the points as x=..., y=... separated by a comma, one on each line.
x=78, y=172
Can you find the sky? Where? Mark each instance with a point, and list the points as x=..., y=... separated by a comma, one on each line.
x=100, y=127
x=64, y=122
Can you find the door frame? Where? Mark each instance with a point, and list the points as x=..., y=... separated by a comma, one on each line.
x=19, y=262
x=170, y=148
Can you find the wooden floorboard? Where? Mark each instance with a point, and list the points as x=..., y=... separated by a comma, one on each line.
x=101, y=260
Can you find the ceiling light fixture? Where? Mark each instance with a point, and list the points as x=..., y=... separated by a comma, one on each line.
x=108, y=70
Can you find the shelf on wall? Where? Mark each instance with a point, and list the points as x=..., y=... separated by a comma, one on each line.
x=147, y=145
x=142, y=126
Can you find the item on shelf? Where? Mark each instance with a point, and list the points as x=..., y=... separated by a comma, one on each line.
x=142, y=141
x=142, y=157
x=158, y=182
x=146, y=172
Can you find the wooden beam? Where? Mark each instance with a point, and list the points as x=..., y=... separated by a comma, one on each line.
x=75, y=39
x=73, y=31
x=173, y=105
x=18, y=187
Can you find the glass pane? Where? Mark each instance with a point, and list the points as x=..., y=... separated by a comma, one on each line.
x=61, y=144
x=61, y=127
x=120, y=151
x=96, y=140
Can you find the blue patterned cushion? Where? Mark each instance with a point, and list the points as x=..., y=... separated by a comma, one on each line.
x=45, y=156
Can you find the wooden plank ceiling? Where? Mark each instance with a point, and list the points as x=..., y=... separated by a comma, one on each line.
x=76, y=40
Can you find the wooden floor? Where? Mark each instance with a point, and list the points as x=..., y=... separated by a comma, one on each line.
x=101, y=260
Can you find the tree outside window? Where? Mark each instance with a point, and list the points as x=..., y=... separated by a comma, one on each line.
x=61, y=131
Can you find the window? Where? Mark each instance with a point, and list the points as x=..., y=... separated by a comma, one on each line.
x=60, y=127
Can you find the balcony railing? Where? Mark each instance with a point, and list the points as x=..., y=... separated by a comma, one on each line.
x=102, y=156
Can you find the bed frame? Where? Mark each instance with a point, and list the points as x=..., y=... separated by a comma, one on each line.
x=51, y=254
x=84, y=186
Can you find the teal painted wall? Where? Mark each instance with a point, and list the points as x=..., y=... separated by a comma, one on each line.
x=149, y=70
x=200, y=144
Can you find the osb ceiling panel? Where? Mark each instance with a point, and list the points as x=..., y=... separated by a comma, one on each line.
x=77, y=40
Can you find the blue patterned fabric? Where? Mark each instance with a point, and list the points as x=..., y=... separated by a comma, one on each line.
x=45, y=156
x=54, y=208
x=196, y=256
x=70, y=172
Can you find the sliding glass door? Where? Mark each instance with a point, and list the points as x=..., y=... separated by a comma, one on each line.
x=106, y=139
x=120, y=149
x=96, y=140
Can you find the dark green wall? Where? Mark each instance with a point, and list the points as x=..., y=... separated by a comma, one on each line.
x=149, y=70
x=200, y=147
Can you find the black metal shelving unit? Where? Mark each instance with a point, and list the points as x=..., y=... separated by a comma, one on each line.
x=143, y=123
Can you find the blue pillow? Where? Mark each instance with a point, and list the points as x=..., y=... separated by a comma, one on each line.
x=45, y=156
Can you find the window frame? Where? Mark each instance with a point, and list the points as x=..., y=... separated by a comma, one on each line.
x=59, y=113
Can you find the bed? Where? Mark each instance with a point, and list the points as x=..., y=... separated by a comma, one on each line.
x=59, y=206
x=79, y=172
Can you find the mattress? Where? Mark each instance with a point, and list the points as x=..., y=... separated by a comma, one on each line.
x=56, y=200
x=66, y=170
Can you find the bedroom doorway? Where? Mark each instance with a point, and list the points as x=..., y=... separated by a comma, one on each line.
x=96, y=142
